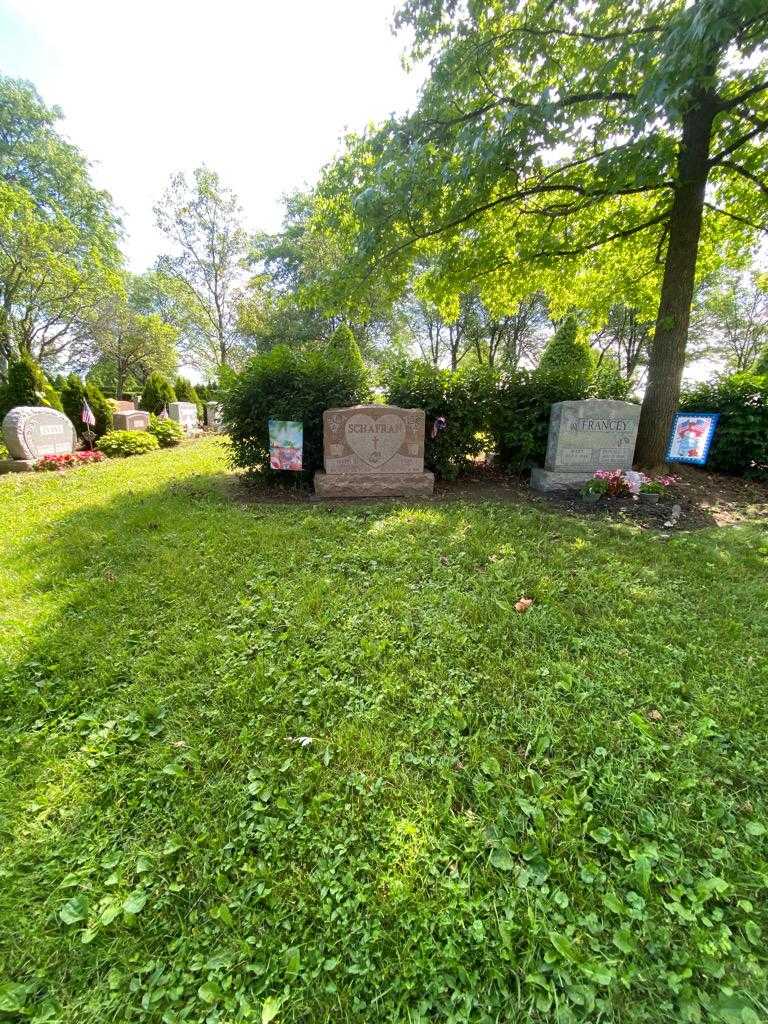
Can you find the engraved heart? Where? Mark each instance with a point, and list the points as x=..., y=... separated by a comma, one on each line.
x=375, y=439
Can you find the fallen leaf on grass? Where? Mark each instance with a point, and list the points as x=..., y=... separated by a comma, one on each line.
x=523, y=604
x=654, y=715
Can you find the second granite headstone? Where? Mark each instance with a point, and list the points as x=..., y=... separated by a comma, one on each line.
x=586, y=436
x=132, y=419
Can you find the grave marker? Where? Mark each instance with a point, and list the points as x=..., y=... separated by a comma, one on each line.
x=30, y=432
x=134, y=419
x=184, y=413
x=372, y=450
x=585, y=436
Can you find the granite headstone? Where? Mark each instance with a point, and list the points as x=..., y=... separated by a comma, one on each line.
x=132, y=419
x=213, y=412
x=371, y=450
x=31, y=431
x=585, y=436
x=184, y=413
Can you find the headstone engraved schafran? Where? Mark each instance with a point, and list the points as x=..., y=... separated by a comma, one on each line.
x=30, y=432
x=184, y=413
x=586, y=436
x=371, y=451
x=131, y=419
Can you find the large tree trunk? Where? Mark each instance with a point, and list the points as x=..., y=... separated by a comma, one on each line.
x=667, y=358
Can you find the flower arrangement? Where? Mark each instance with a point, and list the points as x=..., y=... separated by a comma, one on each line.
x=615, y=482
x=68, y=460
x=594, y=489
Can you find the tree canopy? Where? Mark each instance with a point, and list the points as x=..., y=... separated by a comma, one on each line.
x=59, y=235
x=588, y=151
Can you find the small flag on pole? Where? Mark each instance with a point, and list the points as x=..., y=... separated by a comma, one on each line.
x=87, y=415
x=164, y=414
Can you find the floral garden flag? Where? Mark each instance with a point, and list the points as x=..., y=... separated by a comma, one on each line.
x=286, y=444
x=691, y=437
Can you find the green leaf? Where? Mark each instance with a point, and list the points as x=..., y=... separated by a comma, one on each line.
x=602, y=835
x=502, y=860
x=755, y=828
x=110, y=912
x=270, y=1009
x=74, y=910
x=564, y=946
x=622, y=938
x=210, y=992
x=753, y=932
x=13, y=996
x=134, y=903
x=613, y=903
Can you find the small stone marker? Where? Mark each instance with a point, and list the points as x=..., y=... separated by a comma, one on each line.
x=135, y=419
x=584, y=437
x=213, y=412
x=184, y=413
x=30, y=432
x=373, y=450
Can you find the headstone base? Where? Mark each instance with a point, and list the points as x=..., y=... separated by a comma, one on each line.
x=373, y=485
x=16, y=466
x=558, y=479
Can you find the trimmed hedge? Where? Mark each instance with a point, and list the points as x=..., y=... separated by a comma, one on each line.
x=26, y=384
x=740, y=444
x=285, y=384
x=508, y=413
x=461, y=397
x=73, y=392
x=127, y=442
x=157, y=393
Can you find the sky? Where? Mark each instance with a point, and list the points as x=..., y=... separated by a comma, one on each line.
x=261, y=91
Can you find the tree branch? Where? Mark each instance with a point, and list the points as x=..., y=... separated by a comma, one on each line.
x=745, y=174
x=580, y=250
x=761, y=126
x=737, y=217
x=729, y=104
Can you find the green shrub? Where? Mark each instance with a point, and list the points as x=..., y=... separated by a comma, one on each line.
x=343, y=348
x=26, y=384
x=157, y=393
x=566, y=354
x=463, y=398
x=607, y=381
x=101, y=407
x=168, y=432
x=760, y=366
x=73, y=392
x=127, y=442
x=186, y=393
x=519, y=422
x=740, y=444
x=285, y=384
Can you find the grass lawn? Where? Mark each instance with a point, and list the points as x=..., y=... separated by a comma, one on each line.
x=307, y=764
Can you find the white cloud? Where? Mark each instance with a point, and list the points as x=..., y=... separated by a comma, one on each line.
x=261, y=91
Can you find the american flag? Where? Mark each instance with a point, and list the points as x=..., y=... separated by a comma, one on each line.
x=87, y=415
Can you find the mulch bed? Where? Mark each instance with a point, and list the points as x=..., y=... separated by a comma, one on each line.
x=701, y=499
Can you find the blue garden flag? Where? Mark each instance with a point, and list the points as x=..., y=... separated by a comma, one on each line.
x=691, y=437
